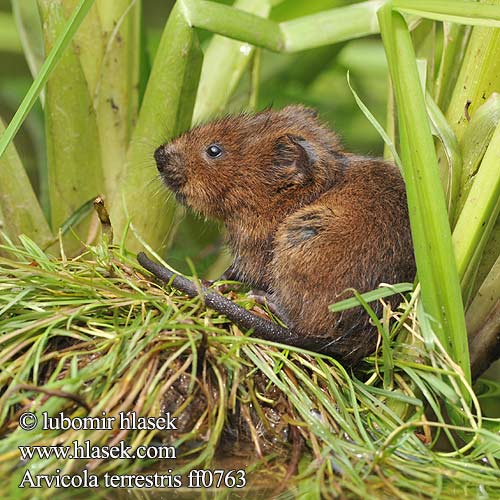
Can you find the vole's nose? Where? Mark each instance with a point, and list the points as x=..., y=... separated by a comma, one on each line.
x=169, y=164
x=162, y=157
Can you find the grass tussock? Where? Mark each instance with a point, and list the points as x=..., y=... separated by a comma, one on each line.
x=95, y=334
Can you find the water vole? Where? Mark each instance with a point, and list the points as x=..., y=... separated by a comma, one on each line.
x=305, y=220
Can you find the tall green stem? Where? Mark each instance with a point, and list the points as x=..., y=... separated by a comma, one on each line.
x=437, y=273
x=20, y=212
x=73, y=148
x=166, y=111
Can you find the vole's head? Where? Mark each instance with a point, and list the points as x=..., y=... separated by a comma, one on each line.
x=250, y=162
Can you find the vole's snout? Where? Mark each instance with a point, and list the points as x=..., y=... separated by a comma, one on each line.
x=170, y=165
x=162, y=155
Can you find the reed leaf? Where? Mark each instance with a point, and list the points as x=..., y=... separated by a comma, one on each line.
x=331, y=26
x=479, y=75
x=455, y=39
x=73, y=148
x=20, y=211
x=9, y=37
x=474, y=144
x=490, y=255
x=233, y=23
x=51, y=61
x=456, y=11
x=218, y=81
x=166, y=111
x=451, y=169
x=479, y=213
x=484, y=301
x=29, y=28
x=88, y=43
x=428, y=215
x=115, y=94
x=475, y=141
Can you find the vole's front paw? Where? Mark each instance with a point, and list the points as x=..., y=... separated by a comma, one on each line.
x=264, y=299
x=222, y=288
x=206, y=283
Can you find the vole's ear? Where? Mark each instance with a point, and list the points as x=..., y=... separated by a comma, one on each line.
x=292, y=148
x=294, y=161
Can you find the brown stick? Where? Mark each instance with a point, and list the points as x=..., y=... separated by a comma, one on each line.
x=261, y=327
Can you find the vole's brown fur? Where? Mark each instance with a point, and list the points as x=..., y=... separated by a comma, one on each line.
x=305, y=220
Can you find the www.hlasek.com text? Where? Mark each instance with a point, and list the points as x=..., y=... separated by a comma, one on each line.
x=87, y=451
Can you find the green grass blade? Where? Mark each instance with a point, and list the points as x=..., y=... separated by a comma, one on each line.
x=380, y=293
x=455, y=11
x=387, y=140
x=77, y=216
x=52, y=59
x=166, y=110
x=430, y=229
x=331, y=26
x=21, y=212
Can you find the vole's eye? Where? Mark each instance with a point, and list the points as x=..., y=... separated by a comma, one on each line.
x=214, y=151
